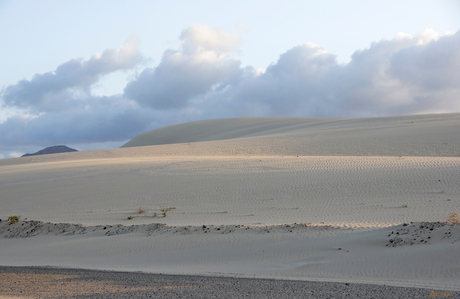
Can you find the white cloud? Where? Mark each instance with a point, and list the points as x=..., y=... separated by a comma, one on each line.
x=200, y=38
x=195, y=69
x=54, y=91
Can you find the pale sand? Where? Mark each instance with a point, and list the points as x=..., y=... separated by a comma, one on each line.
x=341, y=181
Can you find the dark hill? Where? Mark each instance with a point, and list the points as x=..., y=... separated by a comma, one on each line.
x=52, y=150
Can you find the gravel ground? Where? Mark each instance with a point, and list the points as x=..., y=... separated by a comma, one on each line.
x=44, y=282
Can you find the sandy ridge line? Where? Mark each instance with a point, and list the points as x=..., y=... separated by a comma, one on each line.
x=404, y=234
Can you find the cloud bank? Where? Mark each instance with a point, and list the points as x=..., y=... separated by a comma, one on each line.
x=205, y=79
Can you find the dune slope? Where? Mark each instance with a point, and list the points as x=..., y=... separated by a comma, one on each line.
x=420, y=135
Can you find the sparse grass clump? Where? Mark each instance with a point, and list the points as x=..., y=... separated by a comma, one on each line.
x=166, y=210
x=141, y=211
x=13, y=218
x=453, y=218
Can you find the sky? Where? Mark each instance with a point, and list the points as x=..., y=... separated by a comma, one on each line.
x=94, y=74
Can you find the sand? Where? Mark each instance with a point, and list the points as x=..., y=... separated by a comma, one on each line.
x=332, y=200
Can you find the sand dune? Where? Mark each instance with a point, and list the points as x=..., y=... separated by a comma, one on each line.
x=421, y=135
x=277, y=198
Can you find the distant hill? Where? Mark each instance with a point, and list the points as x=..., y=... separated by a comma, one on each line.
x=52, y=150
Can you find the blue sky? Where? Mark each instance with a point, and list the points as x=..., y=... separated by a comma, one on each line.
x=93, y=74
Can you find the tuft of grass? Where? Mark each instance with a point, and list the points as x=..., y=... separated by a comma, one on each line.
x=453, y=218
x=130, y=218
x=13, y=218
x=166, y=210
x=154, y=215
x=404, y=206
x=141, y=211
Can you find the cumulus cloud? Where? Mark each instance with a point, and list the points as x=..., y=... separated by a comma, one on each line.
x=203, y=79
x=54, y=91
x=194, y=70
x=408, y=74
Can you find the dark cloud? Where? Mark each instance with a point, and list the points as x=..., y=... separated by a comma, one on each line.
x=95, y=119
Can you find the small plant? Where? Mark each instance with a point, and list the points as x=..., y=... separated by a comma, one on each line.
x=453, y=218
x=141, y=211
x=154, y=215
x=13, y=218
x=130, y=218
x=404, y=206
x=166, y=210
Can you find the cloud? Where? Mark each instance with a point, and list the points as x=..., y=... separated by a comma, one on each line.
x=203, y=79
x=194, y=70
x=93, y=120
x=408, y=74
x=55, y=91
x=434, y=66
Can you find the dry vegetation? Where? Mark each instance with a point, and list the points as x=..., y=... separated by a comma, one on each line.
x=13, y=218
x=453, y=218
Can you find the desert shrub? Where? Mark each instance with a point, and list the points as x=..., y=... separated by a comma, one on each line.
x=13, y=218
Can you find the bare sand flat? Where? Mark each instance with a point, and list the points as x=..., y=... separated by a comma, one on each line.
x=339, y=200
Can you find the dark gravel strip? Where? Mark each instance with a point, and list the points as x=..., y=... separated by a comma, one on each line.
x=110, y=284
